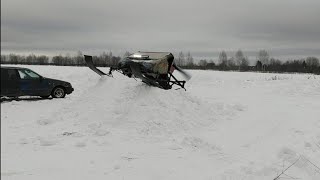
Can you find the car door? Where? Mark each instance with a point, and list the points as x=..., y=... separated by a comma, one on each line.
x=9, y=82
x=31, y=83
x=4, y=79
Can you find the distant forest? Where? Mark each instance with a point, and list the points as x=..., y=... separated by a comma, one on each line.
x=264, y=63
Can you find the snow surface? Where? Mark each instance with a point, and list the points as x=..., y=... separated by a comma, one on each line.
x=227, y=125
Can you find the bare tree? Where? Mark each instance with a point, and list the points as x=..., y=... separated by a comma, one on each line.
x=57, y=60
x=105, y=58
x=110, y=54
x=223, y=59
x=79, y=59
x=263, y=57
x=211, y=64
x=258, y=66
x=3, y=59
x=239, y=57
x=231, y=63
x=244, y=64
x=189, y=59
x=31, y=59
x=203, y=63
x=14, y=59
x=312, y=61
x=181, y=59
x=313, y=64
x=110, y=59
x=42, y=60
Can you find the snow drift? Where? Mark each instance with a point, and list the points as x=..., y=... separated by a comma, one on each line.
x=227, y=125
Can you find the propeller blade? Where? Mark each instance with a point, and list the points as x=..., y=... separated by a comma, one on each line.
x=186, y=75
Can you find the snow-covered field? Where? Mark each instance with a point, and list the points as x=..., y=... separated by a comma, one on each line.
x=227, y=125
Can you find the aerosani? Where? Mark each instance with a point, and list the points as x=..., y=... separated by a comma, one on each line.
x=153, y=68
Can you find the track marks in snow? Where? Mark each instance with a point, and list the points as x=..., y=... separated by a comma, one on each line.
x=306, y=168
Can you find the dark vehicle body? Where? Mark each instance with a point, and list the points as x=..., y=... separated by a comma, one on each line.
x=17, y=81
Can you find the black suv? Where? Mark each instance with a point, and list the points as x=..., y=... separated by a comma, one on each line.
x=16, y=81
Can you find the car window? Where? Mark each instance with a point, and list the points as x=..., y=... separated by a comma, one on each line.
x=28, y=74
x=8, y=74
x=4, y=74
x=32, y=74
x=23, y=75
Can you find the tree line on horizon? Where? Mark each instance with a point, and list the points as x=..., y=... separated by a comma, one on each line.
x=264, y=63
x=104, y=59
x=238, y=62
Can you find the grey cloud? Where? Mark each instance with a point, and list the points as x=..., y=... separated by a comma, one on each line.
x=203, y=27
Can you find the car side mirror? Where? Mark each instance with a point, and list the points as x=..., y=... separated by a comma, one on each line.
x=41, y=78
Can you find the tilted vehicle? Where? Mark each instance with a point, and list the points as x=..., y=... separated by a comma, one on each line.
x=153, y=68
x=17, y=81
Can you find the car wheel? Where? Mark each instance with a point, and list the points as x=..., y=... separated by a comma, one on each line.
x=58, y=92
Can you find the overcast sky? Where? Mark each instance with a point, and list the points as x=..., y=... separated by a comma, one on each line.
x=285, y=28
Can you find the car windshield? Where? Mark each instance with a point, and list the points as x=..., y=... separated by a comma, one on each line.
x=28, y=74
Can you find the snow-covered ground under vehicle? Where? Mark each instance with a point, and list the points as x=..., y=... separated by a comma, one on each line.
x=227, y=125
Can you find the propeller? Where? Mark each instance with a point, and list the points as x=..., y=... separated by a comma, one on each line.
x=186, y=75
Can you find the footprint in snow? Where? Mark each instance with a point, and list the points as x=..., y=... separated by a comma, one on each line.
x=101, y=132
x=24, y=141
x=44, y=122
x=307, y=145
x=47, y=142
x=80, y=144
x=287, y=154
x=12, y=173
x=116, y=167
x=68, y=133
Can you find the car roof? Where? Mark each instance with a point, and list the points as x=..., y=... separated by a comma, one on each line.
x=9, y=67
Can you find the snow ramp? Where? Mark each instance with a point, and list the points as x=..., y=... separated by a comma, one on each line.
x=136, y=110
